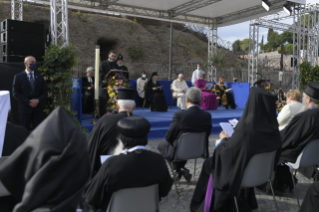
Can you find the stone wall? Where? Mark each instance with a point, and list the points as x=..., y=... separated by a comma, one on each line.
x=86, y=29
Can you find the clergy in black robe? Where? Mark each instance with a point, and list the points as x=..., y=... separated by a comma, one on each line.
x=301, y=130
x=50, y=169
x=88, y=91
x=134, y=167
x=256, y=132
x=105, y=68
x=102, y=140
x=311, y=200
x=154, y=94
x=119, y=66
x=14, y=136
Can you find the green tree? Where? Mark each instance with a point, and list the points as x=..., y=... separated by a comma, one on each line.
x=236, y=47
x=244, y=45
x=286, y=37
x=262, y=43
x=308, y=74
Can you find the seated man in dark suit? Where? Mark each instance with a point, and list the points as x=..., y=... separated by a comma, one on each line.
x=88, y=91
x=191, y=120
x=134, y=167
x=30, y=90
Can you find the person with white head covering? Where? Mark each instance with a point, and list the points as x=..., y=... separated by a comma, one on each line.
x=196, y=74
x=88, y=91
x=179, y=87
x=140, y=84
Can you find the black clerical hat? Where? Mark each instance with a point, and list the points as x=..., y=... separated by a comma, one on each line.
x=119, y=57
x=133, y=127
x=312, y=90
x=126, y=94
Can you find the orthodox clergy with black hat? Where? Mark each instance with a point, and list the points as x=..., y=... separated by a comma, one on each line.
x=49, y=171
x=222, y=173
x=154, y=94
x=105, y=68
x=134, y=167
x=311, y=201
x=119, y=66
x=301, y=130
x=102, y=140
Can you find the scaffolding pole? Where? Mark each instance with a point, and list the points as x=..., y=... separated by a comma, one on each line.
x=59, y=22
x=253, y=52
x=212, y=48
x=17, y=10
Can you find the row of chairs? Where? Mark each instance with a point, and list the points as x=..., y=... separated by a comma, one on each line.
x=259, y=170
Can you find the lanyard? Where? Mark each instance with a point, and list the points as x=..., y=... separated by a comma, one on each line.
x=312, y=107
x=125, y=151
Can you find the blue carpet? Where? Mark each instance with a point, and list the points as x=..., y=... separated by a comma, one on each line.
x=160, y=121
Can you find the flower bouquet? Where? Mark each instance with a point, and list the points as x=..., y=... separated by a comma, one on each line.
x=113, y=84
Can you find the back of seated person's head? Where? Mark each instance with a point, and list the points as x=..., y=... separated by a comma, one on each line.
x=126, y=100
x=293, y=96
x=311, y=95
x=193, y=96
x=128, y=105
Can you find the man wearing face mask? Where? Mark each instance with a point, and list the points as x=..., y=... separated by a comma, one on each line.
x=30, y=90
x=119, y=66
x=196, y=74
x=140, y=84
x=105, y=68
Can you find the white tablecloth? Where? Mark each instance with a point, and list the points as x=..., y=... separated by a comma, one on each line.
x=4, y=109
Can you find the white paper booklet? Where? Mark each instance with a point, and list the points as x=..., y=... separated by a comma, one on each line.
x=104, y=158
x=227, y=127
x=229, y=90
x=209, y=86
x=233, y=122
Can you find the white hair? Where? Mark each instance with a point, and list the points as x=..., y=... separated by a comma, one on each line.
x=126, y=104
x=180, y=75
x=89, y=69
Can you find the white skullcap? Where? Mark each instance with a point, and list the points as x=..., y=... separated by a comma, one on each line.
x=89, y=69
x=180, y=75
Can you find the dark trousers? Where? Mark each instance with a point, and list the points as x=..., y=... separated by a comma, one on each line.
x=168, y=152
x=140, y=102
x=35, y=117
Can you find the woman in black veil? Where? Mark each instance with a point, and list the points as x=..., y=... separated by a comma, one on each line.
x=154, y=94
x=256, y=132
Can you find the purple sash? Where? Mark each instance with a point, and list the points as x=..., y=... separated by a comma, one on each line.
x=209, y=194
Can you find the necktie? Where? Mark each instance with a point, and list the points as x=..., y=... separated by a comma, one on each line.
x=32, y=81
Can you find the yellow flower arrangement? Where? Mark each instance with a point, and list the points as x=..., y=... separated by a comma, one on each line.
x=113, y=77
x=113, y=106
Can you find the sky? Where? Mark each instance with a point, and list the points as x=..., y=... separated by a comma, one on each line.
x=241, y=31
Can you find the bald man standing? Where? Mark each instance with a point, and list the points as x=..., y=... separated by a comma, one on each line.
x=30, y=90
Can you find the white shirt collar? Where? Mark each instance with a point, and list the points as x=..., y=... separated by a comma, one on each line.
x=26, y=71
x=125, y=151
x=191, y=106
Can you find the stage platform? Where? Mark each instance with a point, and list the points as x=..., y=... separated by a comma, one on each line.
x=160, y=121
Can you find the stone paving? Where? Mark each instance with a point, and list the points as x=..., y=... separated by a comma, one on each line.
x=173, y=203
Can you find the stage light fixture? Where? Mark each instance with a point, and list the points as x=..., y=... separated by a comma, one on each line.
x=265, y=5
x=287, y=9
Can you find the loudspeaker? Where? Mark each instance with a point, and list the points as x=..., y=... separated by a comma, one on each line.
x=15, y=59
x=22, y=26
x=22, y=50
x=23, y=38
x=292, y=64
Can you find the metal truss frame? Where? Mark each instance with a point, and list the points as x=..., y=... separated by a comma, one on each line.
x=212, y=49
x=17, y=10
x=193, y=5
x=253, y=52
x=59, y=22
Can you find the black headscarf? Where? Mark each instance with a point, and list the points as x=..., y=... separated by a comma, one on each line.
x=256, y=132
x=51, y=168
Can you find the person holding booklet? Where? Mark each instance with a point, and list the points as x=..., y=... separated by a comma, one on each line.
x=222, y=173
x=224, y=94
x=179, y=88
x=209, y=101
x=154, y=94
x=134, y=167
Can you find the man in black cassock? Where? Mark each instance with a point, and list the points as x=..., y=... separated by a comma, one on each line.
x=88, y=91
x=105, y=68
x=134, y=167
x=256, y=132
x=49, y=171
x=191, y=120
x=311, y=200
x=154, y=94
x=302, y=129
x=119, y=66
x=102, y=140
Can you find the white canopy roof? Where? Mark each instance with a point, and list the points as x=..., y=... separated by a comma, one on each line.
x=200, y=12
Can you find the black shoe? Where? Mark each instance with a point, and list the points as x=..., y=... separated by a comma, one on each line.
x=186, y=174
x=178, y=176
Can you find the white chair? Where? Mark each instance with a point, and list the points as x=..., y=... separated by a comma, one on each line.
x=3, y=190
x=142, y=199
x=309, y=157
x=259, y=170
x=190, y=145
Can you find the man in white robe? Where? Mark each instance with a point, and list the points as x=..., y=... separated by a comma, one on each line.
x=196, y=74
x=140, y=84
x=179, y=87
